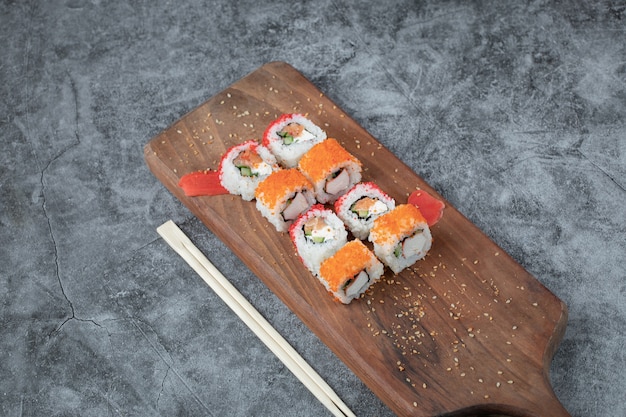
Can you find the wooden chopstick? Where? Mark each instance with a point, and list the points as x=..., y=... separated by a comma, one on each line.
x=253, y=319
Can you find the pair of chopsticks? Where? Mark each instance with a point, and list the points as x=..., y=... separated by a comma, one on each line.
x=252, y=318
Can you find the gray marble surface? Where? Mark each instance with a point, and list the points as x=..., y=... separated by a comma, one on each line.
x=514, y=111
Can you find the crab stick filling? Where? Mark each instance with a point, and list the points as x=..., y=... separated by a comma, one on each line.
x=412, y=245
x=337, y=182
x=354, y=286
x=295, y=206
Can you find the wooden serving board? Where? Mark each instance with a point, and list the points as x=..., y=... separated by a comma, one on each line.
x=465, y=331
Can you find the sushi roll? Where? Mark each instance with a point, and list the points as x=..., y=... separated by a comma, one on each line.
x=317, y=234
x=401, y=237
x=283, y=196
x=291, y=136
x=350, y=271
x=244, y=166
x=331, y=169
x=361, y=205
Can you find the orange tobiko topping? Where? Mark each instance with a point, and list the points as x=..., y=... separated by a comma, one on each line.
x=400, y=221
x=347, y=262
x=322, y=159
x=279, y=184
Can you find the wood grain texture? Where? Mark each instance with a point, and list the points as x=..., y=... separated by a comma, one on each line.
x=466, y=331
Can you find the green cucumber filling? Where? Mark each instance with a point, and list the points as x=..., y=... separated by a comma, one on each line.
x=315, y=239
x=363, y=214
x=287, y=138
x=246, y=171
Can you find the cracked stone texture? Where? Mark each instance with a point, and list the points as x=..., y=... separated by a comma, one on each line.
x=514, y=111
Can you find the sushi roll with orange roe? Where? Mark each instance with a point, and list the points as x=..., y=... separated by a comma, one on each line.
x=244, y=166
x=401, y=237
x=283, y=196
x=350, y=271
x=331, y=169
x=291, y=136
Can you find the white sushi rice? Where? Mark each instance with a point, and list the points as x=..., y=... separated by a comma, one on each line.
x=289, y=155
x=238, y=184
x=360, y=227
x=313, y=253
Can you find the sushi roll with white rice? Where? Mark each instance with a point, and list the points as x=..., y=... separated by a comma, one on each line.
x=401, y=237
x=317, y=234
x=283, y=196
x=331, y=169
x=291, y=136
x=244, y=166
x=361, y=205
x=350, y=271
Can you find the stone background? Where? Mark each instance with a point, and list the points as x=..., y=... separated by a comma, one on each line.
x=514, y=111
